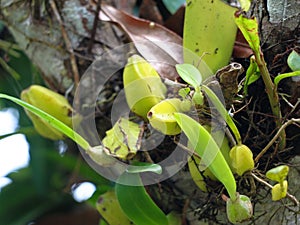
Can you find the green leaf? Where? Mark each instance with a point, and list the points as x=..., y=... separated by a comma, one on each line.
x=223, y=112
x=20, y=202
x=249, y=28
x=109, y=208
x=209, y=32
x=278, y=173
x=124, y=139
x=294, y=61
x=102, y=222
x=252, y=74
x=245, y=4
x=136, y=203
x=174, y=218
x=207, y=148
x=190, y=74
x=278, y=78
x=51, y=120
x=183, y=92
x=140, y=167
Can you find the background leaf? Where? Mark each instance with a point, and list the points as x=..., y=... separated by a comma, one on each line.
x=209, y=32
x=137, y=204
x=294, y=61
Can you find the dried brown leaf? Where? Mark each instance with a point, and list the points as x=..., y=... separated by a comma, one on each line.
x=241, y=47
x=158, y=45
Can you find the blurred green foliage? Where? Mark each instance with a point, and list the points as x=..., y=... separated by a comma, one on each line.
x=46, y=184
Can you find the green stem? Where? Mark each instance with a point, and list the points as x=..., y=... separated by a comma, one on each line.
x=272, y=95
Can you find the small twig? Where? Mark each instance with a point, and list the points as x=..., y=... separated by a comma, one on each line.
x=95, y=24
x=184, y=211
x=189, y=151
x=261, y=180
x=290, y=196
x=284, y=98
x=243, y=107
x=67, y=42
x=148, y=157
x=281, y=129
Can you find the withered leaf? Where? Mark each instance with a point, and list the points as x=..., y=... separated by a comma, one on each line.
x=158, y=45
x=241, y=47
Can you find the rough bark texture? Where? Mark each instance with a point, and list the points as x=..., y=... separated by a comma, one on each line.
x=279, y=22
x=43, y=42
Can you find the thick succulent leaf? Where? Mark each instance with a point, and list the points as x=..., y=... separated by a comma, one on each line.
x=136, y=203
x=109, y=208
x=278, y=173
x=209, y=32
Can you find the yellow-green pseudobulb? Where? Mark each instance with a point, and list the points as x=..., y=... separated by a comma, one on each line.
x=143, y=86
x=161, y=116
x=51, y=103
x=110, y=209
x=279, y=191
x=241, y=159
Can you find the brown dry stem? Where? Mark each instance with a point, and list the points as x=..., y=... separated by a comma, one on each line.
x=277, y=135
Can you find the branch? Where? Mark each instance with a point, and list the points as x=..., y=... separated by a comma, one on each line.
x=281, y=129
